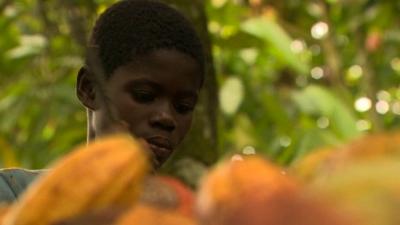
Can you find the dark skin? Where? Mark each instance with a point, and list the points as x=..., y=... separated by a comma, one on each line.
x=154, y=97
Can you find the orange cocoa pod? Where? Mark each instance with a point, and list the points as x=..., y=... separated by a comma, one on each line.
x=104, y=216
x=107, y=172
x=232, y=183
x=4, y=209
x=168, y=193
x=286, y=209
x=143, y=214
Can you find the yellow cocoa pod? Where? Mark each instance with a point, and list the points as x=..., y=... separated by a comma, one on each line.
x=310, y=166
x=106, y=172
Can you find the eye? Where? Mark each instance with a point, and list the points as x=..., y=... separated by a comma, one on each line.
x=143, y=96
x=184, y=107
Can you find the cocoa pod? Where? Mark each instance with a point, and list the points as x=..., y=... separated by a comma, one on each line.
x=107, y=172
x=232, y=183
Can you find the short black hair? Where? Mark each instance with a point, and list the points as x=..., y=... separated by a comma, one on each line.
x=131, y=28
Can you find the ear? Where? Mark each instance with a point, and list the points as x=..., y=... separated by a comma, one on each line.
x=85, y=89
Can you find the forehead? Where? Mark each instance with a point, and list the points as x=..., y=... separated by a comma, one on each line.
x=169, y=68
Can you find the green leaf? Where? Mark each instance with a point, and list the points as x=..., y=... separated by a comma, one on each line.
x=319, y=101
x=272, y=33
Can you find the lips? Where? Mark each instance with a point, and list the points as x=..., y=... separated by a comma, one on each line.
x=161, y=148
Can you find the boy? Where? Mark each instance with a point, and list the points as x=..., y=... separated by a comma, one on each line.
x=154, y=70
x=153, y=67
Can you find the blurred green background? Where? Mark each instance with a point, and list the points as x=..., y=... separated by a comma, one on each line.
x=290, y=76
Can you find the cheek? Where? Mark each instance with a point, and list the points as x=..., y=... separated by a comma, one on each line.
x=133, y=113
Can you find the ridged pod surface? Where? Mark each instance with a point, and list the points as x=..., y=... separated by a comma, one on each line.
x=107, y=172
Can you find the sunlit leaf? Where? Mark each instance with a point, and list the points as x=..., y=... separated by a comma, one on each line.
x=29, y=45
x=317, y=100
x=273, y=34
x=231, y=95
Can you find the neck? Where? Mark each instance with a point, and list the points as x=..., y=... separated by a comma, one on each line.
x=90, y=135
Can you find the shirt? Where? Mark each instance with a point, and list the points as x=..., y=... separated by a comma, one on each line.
x=14, y=181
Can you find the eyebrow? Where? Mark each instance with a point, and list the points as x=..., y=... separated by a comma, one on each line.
x=147, y=82
x=155, y=85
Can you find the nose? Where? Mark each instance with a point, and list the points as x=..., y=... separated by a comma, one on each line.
x=163, y=118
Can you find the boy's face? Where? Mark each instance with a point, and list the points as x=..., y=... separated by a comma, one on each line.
x=155, y=96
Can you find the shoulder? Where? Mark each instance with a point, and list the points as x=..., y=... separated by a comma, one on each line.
x=14, y=181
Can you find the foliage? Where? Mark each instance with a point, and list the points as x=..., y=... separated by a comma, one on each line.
x=290, y=74
x=304, y=65
x=40, y=55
